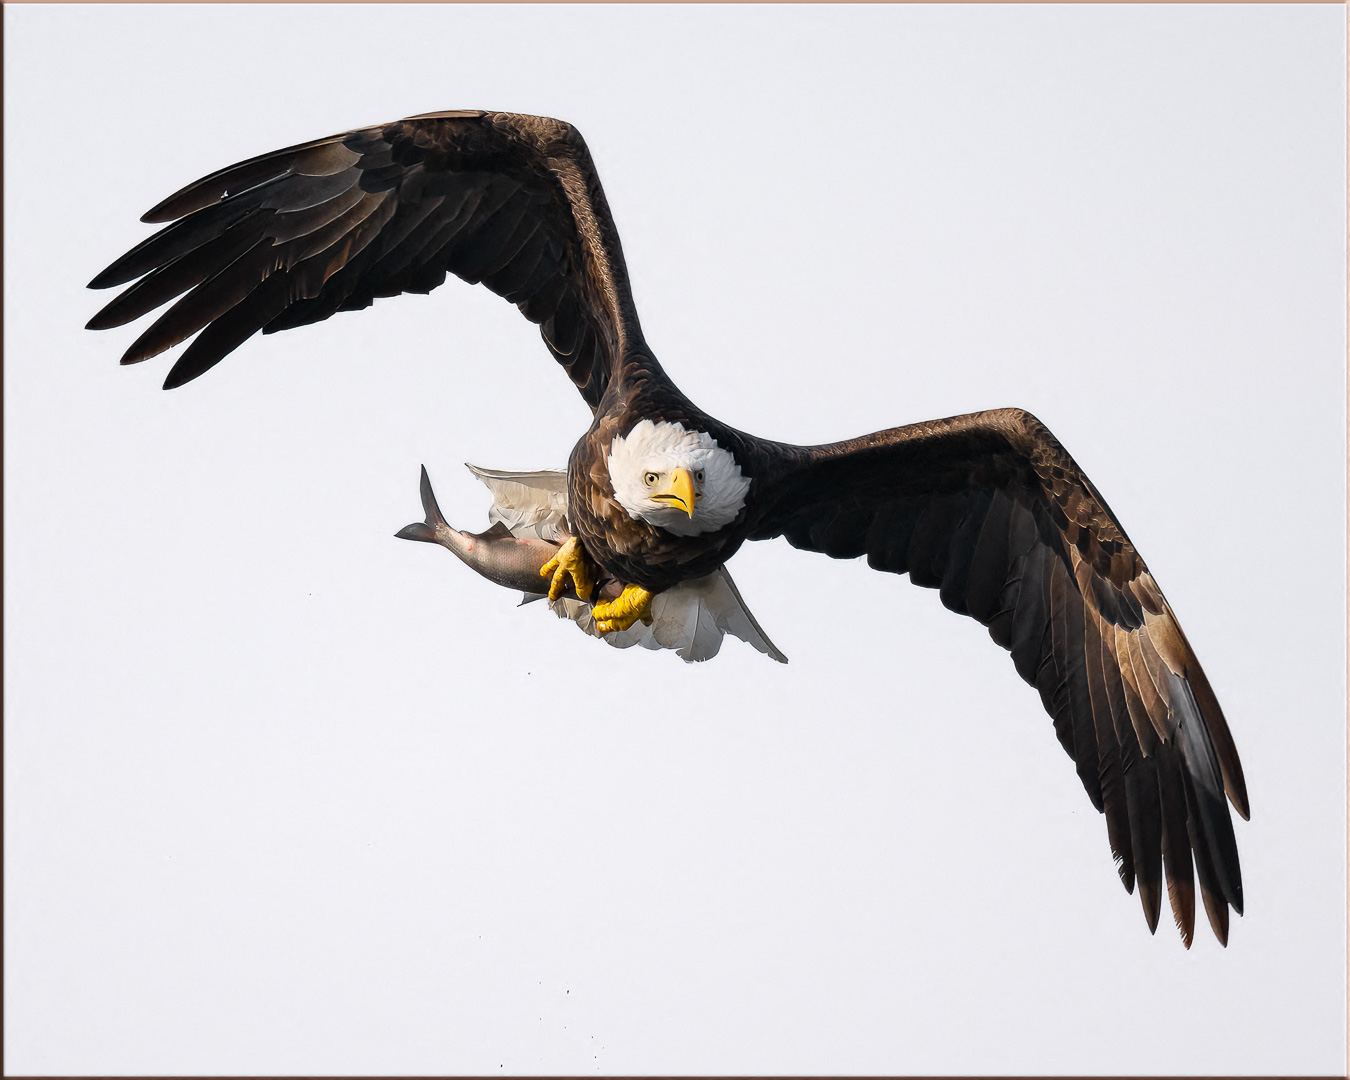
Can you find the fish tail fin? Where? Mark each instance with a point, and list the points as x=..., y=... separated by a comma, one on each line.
x=425, y=531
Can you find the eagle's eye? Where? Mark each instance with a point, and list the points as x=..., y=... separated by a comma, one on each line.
x=651, y=479
x=698, y=476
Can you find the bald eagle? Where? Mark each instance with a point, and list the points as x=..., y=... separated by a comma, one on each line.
x=988, y=507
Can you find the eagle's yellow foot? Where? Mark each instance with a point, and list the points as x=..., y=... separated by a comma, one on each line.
x=624, y=610
x=571, y=560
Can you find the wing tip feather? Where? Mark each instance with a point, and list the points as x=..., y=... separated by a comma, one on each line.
x=1150, y=897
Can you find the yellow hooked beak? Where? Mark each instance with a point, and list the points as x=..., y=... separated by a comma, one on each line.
x=679, y=492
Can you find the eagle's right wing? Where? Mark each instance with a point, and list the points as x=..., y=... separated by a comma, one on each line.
x=290, y=237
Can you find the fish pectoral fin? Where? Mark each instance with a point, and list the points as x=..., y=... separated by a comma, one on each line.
x=571, y=561
x=623, y=611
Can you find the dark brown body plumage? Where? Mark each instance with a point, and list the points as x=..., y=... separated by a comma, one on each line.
x=987, y=508
x=629, y=548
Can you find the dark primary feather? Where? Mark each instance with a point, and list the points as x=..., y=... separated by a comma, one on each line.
x=989, y=509
x=293, y=236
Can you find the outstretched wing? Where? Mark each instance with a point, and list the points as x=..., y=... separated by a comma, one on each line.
x=290, y=237
x=989, y=509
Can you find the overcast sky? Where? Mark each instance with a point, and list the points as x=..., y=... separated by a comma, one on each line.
x=285, y=794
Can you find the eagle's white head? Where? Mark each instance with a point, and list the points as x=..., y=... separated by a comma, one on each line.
x=679, y=480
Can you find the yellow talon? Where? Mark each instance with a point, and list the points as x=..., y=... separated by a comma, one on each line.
x=623, y=611
x=570, y=560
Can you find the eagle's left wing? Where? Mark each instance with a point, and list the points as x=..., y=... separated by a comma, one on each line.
x=990, y=509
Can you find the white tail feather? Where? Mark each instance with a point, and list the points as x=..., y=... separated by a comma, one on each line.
x=531, y=504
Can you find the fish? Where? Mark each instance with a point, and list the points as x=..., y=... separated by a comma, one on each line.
x=511, y=561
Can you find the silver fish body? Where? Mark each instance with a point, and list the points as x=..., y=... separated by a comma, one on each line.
x=508, y=560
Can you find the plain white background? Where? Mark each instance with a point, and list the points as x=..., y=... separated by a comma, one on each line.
x=284, y=794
